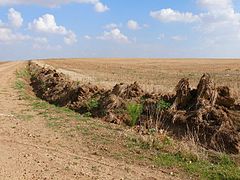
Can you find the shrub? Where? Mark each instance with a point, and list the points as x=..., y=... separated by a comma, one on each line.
x=134, y=111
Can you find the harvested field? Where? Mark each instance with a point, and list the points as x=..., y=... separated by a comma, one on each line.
x=152, y=74
x=206, y=112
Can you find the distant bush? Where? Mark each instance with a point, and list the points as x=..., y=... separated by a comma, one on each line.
x=134, y=111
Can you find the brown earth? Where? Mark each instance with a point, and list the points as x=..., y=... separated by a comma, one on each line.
x=204, y=112
x=153, y=74
x=30, y=150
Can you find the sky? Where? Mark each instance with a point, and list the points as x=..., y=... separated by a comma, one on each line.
x=37, y=29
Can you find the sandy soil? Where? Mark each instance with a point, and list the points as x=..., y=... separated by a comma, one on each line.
x=30, y=150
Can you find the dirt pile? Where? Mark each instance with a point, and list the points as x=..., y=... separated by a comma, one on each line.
x=205, y=113
x=208, y=113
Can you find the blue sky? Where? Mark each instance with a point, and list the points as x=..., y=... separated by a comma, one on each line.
x=31, y=29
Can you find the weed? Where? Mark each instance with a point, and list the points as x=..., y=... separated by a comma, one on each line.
x=224, y=169
x=38, y=105
x=23, y=73
x=19, y=84
x=163, y=105
x=92, y=104
x=134, y=111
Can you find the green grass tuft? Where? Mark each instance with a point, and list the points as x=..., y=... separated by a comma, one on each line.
x=134, y=111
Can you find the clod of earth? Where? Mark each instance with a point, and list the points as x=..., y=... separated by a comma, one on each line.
x=208, y=113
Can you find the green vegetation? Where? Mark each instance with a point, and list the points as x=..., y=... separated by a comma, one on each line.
x=23, y=73
x=19, y=85
x=92, y=104
x=221, y=166
x=163, y=105
x=225, y=168
x=134, y=111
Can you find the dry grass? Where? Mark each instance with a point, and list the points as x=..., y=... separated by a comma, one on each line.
x=152, y=74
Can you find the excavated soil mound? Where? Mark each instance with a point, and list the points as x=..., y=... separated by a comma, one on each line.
x=207, y=113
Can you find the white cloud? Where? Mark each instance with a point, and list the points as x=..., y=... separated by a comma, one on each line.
x=41, y=43
x=220, y=23
x=47, y=24
x=8, y=36
x=70, y=38
x=133, y=25
x=216, y=4
x=41, y=40
x=98, y=5
x=7, y=33
x=115, y=35
x=15, y=18
x=170, y=15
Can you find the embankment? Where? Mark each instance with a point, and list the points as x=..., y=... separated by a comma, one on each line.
x=207, y=113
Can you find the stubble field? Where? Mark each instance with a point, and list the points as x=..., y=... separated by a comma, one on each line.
x=159, y=75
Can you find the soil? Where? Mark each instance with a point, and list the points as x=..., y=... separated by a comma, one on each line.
x=204, y=112
x=30, y=150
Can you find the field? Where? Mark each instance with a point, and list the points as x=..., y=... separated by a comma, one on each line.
x=152, y=74
x=53, y=126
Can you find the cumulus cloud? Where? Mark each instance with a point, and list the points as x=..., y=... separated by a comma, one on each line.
x=115, y=35
x=8, y=36
x=41, y=40
x=98, y=5
x=216, y=5
x=42, y=43
x=15, y=18
x=47, y=24
x=70, y=38
x=7, y=33
x=170, y=15
x=133, y=25
x=219, y=22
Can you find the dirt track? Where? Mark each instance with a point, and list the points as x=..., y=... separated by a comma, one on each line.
x=30, y=150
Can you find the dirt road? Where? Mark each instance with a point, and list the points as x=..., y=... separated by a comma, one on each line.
x=30, y=150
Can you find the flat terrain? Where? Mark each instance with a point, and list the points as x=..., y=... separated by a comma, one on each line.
x=34, y=146
x=152, y=74
x=43, y=141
